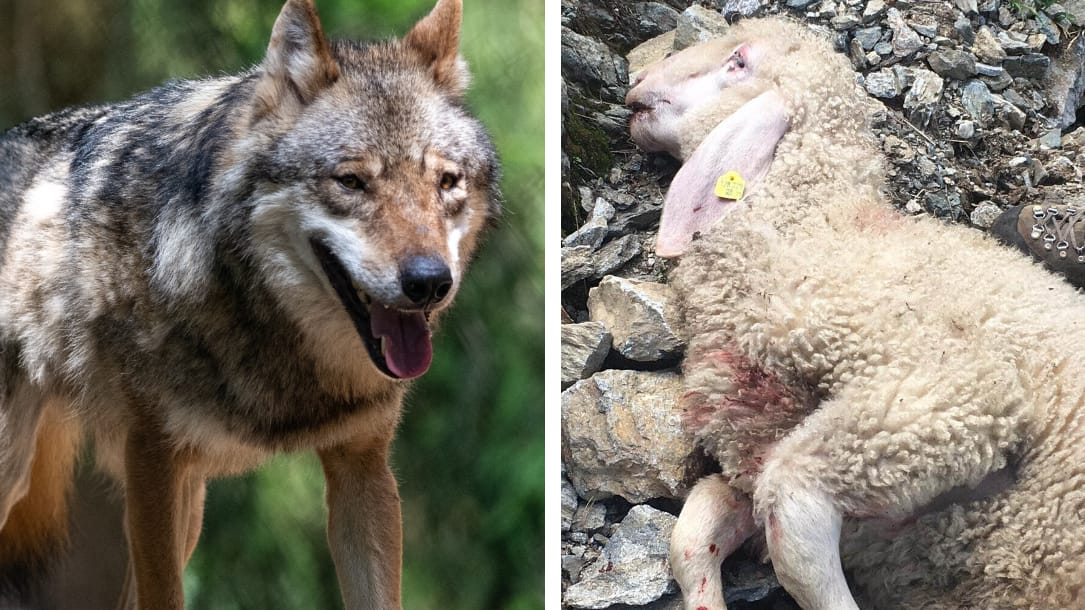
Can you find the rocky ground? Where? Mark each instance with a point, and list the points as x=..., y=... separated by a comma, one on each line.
x=981, y=112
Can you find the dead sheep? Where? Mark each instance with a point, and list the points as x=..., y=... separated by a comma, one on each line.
x=890, y=395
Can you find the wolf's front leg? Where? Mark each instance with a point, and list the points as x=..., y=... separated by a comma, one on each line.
x=364, y=526
x=715, y=521
x=159, y=497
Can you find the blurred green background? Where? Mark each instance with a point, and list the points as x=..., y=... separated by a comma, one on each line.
x=469, y=455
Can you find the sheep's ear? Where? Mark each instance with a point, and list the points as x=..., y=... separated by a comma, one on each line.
x=298, y=64
x=437, y=39
x=731, y=160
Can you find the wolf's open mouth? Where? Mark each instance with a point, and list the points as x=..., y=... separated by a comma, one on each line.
x=398, y=341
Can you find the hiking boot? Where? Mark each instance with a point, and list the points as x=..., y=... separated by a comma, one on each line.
x=1053, y=234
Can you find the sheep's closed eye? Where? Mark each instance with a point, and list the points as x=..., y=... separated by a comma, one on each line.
x=738, y=60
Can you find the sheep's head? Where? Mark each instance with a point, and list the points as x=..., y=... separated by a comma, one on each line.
x=722, y=107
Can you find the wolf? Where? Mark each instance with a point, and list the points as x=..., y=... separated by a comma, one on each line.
x=218, y=270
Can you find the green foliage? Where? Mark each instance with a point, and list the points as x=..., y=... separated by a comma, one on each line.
x=469, y=455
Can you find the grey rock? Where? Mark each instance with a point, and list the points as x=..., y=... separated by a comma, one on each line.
x=1051, y=139
x=572, y=565
x=926, y=25
x=654, y=18
x=1015, y=98
x=569, y=503
x=845, y=22
x=1047, y=29
x=587, y=203
x=1006, y=17
x=824, y=11
x=926, y=89
x=578, y=537
x=1075, y=11
x=589, y=517
x=620, y=199
x=857, y=56
x=962, y=26
x=898, y=149
x=984, y=215
x=905, y=40
x=883, y=49
x=577, y=265
x=1012, y=116
x=745, y=8
x=614, y=121
x=944, y=204
x=873, y=11
x=926, y=168
x=633, y=568
x=698, y=24
x=1036, y=42
x=913, y=207
x=801, y=4
x=1062, y=170
x=868, y=37
x=1031, y=170
x=987, y=48
x=569, y=10
x=905, y=75
x=622, y=434
x=883, y=84
x=999, y=82
x=616, y=253
x=594, y=231
x=590, y=62
x=644, y=215
x=989, y=70
x=978, y=101
x=584, y=346
x=1032, y=66
x=952, y=63
x=966, y=130
x=968, y=7
x=1065, y=83
x=582, y=263
x=1012, y=42
x=989, y=6
x=642, y=317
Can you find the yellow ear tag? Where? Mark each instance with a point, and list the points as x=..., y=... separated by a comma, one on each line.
x=730, y=186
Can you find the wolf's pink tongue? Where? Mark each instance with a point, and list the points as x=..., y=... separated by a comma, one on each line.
x=407, y=348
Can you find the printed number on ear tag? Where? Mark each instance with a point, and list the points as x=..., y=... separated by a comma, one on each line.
x=730, y=186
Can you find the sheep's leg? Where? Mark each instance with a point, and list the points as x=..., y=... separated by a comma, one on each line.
x=715, y=520
x=883, y=447
x=803, y=534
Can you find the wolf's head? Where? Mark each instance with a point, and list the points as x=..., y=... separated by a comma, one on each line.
x=373, y=181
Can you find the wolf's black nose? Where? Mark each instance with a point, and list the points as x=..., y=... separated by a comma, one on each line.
x=425, y=280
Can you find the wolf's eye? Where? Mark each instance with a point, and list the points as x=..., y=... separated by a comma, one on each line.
x=351, y=182
x=449, y=181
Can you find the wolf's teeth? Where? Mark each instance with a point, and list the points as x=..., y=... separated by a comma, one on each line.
x=384, y=341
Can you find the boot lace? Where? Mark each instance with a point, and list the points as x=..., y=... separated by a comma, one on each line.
x=1059, y=230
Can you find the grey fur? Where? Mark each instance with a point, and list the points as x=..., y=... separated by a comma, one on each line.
x=134, y=268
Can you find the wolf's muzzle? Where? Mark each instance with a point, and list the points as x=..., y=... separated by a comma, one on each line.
x=426, y=280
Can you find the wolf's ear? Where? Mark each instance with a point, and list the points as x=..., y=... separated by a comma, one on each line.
x=437, y=39
x=298, y=64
